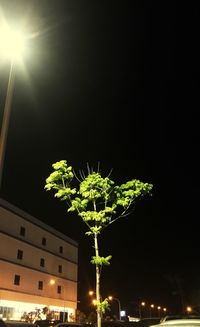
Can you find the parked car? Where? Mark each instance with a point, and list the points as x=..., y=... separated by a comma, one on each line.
x=179, y=323
x=46, y=322
x=2, y=323
x=112, y=323
x=146, y=322
x=181, y=316
x=130, y=323
x=15, y=323
x=70, y=324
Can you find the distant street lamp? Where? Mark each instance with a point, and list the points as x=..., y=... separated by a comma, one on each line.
x=119, y=304
x=159, y=308
x=91, y=293
x=165, y=309
x=142, y=304
x=150, y=309
x=52, y=282
x=12, y=47
x=189, y=309
x=94, y=302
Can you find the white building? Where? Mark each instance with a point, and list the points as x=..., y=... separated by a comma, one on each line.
x=38, y=266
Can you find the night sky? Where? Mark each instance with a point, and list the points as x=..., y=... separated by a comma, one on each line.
x=114, y=82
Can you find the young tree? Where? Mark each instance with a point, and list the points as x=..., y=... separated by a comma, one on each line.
x=99, y=203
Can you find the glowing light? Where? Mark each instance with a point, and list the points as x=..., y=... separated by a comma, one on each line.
x=52, y=282
x=189, y=309
x=12, y=43
x=91, y=292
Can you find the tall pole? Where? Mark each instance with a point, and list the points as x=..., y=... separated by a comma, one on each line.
x=98, y=297
x=119, y=307
x=6, y=118
x=64, y=304
x=140, y=312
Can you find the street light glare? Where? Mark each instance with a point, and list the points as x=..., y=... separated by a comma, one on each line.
x=52, y=282
x=91, y=292
x=12, y=43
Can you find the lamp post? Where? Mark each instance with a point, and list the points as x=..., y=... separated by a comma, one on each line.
x=159, y=308
x=6, y=117
x=164, y=310
x=150, y=308
x=142, y=304
x=94, y=301
x=91, y=293
x=12, y=46
x=119, y=304
x=189, y=309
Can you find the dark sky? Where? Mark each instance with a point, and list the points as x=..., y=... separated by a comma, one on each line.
x=114, y=82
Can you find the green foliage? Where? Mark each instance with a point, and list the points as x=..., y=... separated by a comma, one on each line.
x=98, y=200
x=127, y=193
x=104, y=305
x=101, y=261
x=61, y=176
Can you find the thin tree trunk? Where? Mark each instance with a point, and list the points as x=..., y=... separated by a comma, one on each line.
x=98, y=296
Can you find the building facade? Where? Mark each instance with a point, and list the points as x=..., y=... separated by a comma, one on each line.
x=38, y=266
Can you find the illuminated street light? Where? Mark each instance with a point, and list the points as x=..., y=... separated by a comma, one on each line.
x=12, y=43
x=94, y=302
x=159, y=308
x=150, y=308
x=142, y=304
x=12, y=47
x=189, y=309
x=119, y=304
x=52, y=282
x=91, y=293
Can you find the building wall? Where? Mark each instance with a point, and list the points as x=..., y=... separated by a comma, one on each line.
x=31, y=257
x=29, y=283
x=36, y=228
x=36, y=254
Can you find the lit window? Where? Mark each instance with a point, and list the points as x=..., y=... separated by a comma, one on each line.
x=22, y=231
x=20, y=254
x=17, y=280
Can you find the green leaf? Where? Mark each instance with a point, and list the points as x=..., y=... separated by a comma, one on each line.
x=101, y=261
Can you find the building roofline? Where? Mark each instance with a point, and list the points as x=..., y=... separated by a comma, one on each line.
x=26, y=216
